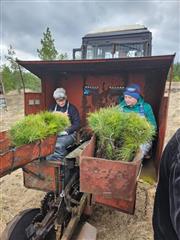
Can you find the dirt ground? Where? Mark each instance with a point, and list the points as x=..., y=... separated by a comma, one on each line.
x=111, y=224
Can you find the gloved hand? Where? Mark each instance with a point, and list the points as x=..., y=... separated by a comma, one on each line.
x=63, y=133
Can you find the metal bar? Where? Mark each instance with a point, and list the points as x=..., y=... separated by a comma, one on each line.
x=75, y=219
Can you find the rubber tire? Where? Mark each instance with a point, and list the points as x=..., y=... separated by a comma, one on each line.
x=15, y=229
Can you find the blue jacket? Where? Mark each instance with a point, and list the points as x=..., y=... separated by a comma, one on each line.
x=72, y=113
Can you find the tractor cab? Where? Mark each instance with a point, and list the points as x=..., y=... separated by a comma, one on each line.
x=120, y=42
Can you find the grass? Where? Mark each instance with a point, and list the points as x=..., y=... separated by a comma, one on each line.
x=148, y=179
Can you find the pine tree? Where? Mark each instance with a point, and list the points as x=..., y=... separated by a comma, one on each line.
x=48, y=50
x=14, y=70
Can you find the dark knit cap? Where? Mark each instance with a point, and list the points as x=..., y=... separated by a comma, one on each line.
x=133, y=90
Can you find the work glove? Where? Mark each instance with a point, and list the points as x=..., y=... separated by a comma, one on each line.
x=63, y=133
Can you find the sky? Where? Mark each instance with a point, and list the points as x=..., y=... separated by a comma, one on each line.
x=23, y=22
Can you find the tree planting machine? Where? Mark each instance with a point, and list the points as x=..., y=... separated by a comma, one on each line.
x=81, y=180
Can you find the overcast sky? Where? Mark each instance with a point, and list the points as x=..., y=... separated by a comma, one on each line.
x=23, y=23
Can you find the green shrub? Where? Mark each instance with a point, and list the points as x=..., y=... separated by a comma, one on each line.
x=119, y=134
x=36, y=127
x=176, y=72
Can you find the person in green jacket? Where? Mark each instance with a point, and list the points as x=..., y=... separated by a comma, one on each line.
x=132, y=101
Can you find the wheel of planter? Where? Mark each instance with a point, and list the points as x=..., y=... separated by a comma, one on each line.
x=15, y=229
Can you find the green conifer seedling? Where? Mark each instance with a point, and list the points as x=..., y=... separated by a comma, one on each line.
x=119, y=134
x=36, y=127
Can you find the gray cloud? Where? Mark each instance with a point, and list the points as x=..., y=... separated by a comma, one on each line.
x=23, y=22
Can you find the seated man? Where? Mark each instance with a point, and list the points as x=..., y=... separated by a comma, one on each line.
x=67, y=137
x=132, y=101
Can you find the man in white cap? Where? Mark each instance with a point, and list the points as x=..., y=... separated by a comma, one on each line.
x=67, y=137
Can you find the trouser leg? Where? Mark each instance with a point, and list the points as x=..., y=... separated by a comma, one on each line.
x=61, y=147
x=145, y=147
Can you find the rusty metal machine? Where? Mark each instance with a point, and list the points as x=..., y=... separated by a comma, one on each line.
x=81, y=180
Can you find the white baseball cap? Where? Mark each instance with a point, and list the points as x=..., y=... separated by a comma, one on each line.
x=60, y=93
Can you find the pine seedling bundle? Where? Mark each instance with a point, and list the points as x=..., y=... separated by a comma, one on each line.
x=119, y=134
x=36, y=127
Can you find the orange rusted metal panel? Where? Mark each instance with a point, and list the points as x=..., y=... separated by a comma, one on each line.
x=33, y=103
x=112, y=182
x=40, y=175
x=47, y=145
x=89, y=150
x=4, y=141
x=20, y=156
x=162, y=128
x=108, y=178
x=6, y=163
x=118, y=204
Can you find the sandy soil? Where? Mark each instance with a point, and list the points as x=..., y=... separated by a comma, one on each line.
x=111, y=224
